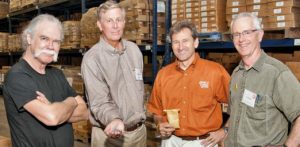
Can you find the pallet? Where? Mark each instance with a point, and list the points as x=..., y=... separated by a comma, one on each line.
x=282, y=33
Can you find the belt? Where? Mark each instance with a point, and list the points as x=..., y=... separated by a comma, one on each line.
x=134, y=127
x=194, y=137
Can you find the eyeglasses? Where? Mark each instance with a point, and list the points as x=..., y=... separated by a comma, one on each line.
x=245, y=33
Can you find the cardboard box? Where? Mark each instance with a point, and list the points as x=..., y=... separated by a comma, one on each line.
x=251, y=2
x=284, y=3
x=284, y=10
x=235, y=3
x=236, y=10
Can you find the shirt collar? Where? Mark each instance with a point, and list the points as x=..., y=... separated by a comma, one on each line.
x=258, y=65
x=197, y=57
x=111, y=49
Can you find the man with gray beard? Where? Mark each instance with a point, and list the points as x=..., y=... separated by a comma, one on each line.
x=40, y=103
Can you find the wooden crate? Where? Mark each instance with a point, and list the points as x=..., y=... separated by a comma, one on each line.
x=3, y=9
x=90, y=33
x=28, y=3
x=72, y=35
x=14, y=43
x=3, y=41
x=5, y=142
x=15, y=5
x=82, y=131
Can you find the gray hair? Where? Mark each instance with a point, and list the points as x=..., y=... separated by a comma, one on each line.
x=256, y=22
x=180, y=25
x=34, y=23
x=108, y=5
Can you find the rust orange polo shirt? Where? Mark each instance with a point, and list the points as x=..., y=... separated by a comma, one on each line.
x=197, y=92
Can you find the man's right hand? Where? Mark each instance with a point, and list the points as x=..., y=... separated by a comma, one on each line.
x=115, y=128
x=166, y=129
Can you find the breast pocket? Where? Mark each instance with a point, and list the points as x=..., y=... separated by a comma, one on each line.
x=202, y=100
x=259, y=110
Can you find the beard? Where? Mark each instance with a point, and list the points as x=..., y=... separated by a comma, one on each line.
x=48, y=52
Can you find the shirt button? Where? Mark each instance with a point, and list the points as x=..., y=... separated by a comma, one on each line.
x=183, y=116
x=184, y=87
x=185, y=74
x=184, y=102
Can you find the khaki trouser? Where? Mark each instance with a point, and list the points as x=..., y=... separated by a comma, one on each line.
x=136, y=138
x=175, y=141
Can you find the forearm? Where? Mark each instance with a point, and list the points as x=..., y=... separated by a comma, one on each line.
x=80, y=113
x=62, y=111
x=294, y=137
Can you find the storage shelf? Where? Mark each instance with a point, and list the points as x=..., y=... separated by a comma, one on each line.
x=264, y=44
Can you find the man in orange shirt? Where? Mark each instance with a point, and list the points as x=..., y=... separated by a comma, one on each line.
x=196, y=87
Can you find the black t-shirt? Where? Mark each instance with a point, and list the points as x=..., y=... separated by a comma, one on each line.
x=20, y=87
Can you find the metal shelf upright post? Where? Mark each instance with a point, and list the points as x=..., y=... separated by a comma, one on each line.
x=154, y=40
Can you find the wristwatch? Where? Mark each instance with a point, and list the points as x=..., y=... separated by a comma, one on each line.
x=225, y=129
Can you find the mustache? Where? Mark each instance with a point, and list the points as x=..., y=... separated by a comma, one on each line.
x=47, y=51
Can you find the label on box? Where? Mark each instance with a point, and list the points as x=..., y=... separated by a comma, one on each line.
x=188, y=15
x=204, y=30
x=161, y=6
x=297, y=42
x=204, y=19
x=279, y=4
x=203, y=8
x=255, y=13
x=174, y=11
x=280, y=24
x=280, y=18
x=235, y=3
x=188, y=10
x=256, y=7
x=234, y=10
x=204, y=25
x=233, y=16
x=277, y=11
x=188, y=4
x=203, y=13
x=203, y=2
x=256, y=1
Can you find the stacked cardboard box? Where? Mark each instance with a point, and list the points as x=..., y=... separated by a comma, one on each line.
x=138, y=26
x=234, y=7
x=282, y=14
x=90, y=33
x=72, y=34
x=3, y=41
x=207, y=15
x=212, y=16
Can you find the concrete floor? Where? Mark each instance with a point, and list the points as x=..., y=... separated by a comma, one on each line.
x=4, y=128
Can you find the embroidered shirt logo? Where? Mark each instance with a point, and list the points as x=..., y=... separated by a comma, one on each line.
x=204, y=84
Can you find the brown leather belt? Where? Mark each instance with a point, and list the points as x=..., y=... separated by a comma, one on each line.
x=194, y=137
x=134, y=127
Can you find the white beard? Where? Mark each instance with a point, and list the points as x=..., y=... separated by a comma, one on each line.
x=49, y=52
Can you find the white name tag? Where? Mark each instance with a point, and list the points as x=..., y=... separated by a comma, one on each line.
x=138, y=74
x=249, y=98
x=204, y=84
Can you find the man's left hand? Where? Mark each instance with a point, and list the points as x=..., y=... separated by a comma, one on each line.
x=214, y=138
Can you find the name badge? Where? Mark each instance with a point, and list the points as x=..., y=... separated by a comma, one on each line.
x=249, y=98
x=138, y=74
